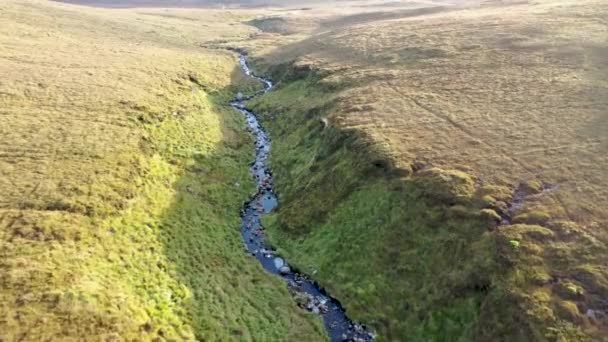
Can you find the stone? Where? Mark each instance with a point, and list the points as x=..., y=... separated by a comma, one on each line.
x=324, y=123
x=278, y=263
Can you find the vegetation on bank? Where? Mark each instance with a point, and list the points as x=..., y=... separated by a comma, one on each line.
x=419, y=252
x=443, y=176
x=123, y=170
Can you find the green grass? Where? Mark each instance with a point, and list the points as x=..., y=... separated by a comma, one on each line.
x=463, y=119
x=123, y=172
x=379, y=242
x=416, y=255
x=382, y=262
x=399, y=145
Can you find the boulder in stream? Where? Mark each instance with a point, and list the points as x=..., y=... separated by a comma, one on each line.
x=284, y=270
x=278, y=263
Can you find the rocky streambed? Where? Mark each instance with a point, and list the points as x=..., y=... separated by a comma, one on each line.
x=309, y=295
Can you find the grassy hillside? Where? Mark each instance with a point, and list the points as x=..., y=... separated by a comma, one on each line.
x=122, y=171
x=189, y=3
x=445, y=174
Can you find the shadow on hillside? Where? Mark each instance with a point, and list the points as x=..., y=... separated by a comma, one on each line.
x=364, y=18
x=232, y=296
x=387, y=238
x=327, y=35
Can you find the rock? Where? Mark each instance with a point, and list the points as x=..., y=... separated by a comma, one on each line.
x=284, y=270
x=264, y=251
x=240, y=96
x=324, y=123
x=278, y=263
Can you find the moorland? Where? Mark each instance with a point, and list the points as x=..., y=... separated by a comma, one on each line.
x=441, y=168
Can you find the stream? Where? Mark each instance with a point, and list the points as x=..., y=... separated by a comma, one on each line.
x=311, y=296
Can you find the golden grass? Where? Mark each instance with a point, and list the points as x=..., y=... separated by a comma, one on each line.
x=119, y=159
x=118, y=165
x=512, y=93
x=70, y=76
x=509, y=95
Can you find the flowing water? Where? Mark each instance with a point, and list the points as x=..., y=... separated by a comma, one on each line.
x=309, y=294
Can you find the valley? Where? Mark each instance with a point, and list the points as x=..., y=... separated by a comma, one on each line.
x=440, y=169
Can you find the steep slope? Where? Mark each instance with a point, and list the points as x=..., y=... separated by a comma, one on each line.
x=445, y=174
x=122, y=172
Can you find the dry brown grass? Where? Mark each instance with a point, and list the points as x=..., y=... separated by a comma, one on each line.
x=113, y=149
x=513, y=93
x=68, y=76
x=118, y=163
x=509, y=95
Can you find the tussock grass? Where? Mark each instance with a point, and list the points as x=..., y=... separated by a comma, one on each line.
x=122, y=171
x=484, y=217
